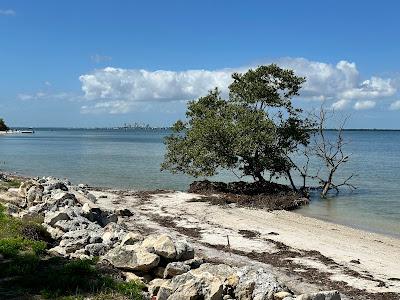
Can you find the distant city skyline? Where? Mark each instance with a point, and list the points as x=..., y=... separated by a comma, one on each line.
x=103, y=63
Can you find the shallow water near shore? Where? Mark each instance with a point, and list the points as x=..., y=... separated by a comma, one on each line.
x=131, y=160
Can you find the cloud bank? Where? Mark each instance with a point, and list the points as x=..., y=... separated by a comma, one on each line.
x=118, y=90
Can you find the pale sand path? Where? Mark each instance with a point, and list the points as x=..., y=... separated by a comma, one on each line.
x=379, y=256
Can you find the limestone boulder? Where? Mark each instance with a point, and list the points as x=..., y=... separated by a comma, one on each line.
x=133, y=258
x=326, y=295
x=34, y=195
x=175, y=268
x=257, y=284
x=162, y=245
x=52, y=218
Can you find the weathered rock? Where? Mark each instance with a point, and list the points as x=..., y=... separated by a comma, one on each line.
x=58, y=251
x=327, y=295
x=282, y=295
x=129, y=277
x=163, y=245
x=55, y=233
x=52, y=218
x=96, y=249
x=113, y=233
x=202, y=286
x=34, y=195
x=134, y=258
x=131, y=238
x=155, y=284
x=24, y=187
x=164, y=293
x=175, y=268
x=184, y=250
x=257, y=284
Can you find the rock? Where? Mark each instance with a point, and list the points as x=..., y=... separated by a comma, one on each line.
x=327, y=295
x=194, y=263
x=113, y=233
x=55, y=233
x=282, y=295
x=129, y=277
x=175, y=268
x=58, y=251
x=91, y=197
x=54, y=184
x=52, y=218
x=163, y=245
x=155, y=284
x=96, y=249
x=164, y=293
x=257, y=284
x=34, y=195
x=123, y=212
x=24, y=187
x=220, y=271
x=184, y=250
x=131, y=238
x=106, y=218
x=14, y=198
x=134, y=258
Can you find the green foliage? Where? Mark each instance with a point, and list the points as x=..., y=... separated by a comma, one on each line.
x=3, y=126
x=30, y=271
x=11, y=183
x=255, y=131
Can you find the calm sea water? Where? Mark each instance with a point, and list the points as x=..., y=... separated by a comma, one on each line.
x=131, y=159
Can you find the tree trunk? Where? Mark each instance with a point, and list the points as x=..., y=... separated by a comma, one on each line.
x=291, y=181
x=327, y=185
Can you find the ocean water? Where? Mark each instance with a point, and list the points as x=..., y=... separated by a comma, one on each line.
x=131, y=159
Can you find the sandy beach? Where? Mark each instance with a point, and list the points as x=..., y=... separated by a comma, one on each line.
x=303, y=252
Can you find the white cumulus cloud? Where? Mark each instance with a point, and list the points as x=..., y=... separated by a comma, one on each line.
x=395, y=105
x=341, y=104
x=340, y=84
x=362, y=105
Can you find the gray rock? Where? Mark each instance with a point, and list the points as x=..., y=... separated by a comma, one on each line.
x=52, y=218
x=163, y=245
x=175, y=268
x=24, y=187
x=184, y=250
x=96, y=249
x=327, y=295
x=131, y=238
x=257, y=284
x=34, y=195
x=134, y=258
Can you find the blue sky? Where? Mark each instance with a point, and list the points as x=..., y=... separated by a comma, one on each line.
x=103, y=63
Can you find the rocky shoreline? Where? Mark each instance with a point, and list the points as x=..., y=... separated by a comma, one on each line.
x=168, y=265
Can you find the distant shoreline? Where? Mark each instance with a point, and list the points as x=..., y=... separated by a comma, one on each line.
x=166, y=129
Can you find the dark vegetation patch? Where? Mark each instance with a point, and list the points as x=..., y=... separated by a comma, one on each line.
x=249, y=233
x=170, y=222
x=267, y=195
x=27, y=272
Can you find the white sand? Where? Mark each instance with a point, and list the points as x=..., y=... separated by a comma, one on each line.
x=379, y=255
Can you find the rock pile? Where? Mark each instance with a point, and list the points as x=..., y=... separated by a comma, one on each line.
x=166, y=265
